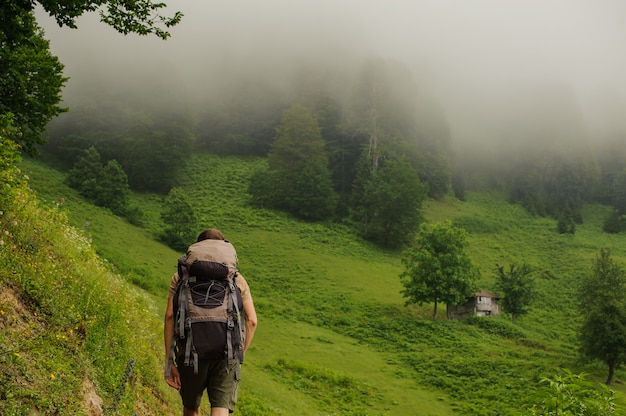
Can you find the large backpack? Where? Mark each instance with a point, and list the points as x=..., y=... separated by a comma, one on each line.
x=207, y=305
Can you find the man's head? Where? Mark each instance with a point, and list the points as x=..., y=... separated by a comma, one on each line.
x=211, y=234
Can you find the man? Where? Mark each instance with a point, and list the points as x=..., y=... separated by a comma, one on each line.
x=219, y=377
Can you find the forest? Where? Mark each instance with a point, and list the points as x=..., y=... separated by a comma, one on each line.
x=363, y=140
x=368, y=154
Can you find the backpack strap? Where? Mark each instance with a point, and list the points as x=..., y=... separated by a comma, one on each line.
x=234, y=323
x=182, y=289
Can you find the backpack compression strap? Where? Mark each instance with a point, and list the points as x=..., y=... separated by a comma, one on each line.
x=180, y=315
x=234, y=320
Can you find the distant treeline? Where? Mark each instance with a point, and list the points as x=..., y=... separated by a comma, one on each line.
x=365, y=148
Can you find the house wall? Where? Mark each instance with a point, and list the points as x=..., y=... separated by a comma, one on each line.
x=478, y=306
x=486, y=306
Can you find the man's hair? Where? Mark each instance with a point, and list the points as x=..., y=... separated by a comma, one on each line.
x=211, y=234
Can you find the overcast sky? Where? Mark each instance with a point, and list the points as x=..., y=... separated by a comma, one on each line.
x=473, y=53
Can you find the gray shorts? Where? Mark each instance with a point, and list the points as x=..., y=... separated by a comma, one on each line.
x=222, y=386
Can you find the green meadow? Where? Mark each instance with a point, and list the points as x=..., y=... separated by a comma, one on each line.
x=335, y=336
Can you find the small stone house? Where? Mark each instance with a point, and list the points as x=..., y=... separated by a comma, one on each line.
x=483, y=303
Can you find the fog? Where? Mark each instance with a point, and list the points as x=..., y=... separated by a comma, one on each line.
x=481, y=59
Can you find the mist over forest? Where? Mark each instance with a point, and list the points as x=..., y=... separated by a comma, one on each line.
x=483, y=60
x=522, y=96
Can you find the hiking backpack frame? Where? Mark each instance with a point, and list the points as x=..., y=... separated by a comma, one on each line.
x=207, y=306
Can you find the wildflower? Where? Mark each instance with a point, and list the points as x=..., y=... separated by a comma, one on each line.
x=52, y=377
x=1, y=242
x=62, y=199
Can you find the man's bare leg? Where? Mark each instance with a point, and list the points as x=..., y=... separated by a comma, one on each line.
x=219, y=411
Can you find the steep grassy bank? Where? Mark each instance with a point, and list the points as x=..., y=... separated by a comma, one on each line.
x=335, y=336
x=70, y=333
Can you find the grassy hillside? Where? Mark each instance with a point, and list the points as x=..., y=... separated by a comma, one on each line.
x=70, y=338
x=334, y=335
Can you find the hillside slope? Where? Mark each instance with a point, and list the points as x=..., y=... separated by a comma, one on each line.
x=334, y=334
x=71, y=343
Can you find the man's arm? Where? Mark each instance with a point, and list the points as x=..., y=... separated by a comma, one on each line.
x=251, y=321
x=168, y=335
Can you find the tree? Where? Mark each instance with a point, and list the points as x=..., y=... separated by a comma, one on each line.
x=137, y=16
x=180, y=219
x=388, y=206
x=30, y=82
x=516, y=287
x=298, y=168
x=105, y=186
x=310, y=194
x=437, y=267
x=602, y=296
x=112, y=189
x=612, y=223
x=31, y=77
x=298, y=141
x=85, y=173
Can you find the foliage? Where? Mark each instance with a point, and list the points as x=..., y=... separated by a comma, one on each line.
x=559, y=190
x=571, y=395
x=328, y=300
x=516, y=288
x=438, y=268
x=298, y=180
x=603, y=299
x=9, y=149
x=140, y=16
x=612, y=224
x=565, y=222
x=388, y=208
x=309, y=193
x=31, y=78
x=180, y=219
x=64, y=318
x=150, y=147
x=298, y=141
x=105, y=186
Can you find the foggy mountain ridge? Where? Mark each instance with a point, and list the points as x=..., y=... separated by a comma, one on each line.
x=487, y=63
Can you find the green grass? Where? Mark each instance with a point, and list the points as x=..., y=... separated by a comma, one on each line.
x=334, y=335
x=68, y=322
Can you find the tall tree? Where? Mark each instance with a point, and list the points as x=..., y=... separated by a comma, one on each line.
x=31, y=80
x=105, y=186
x=180, y=220
x=112, y=188
x=298, y=141
x=388, y=205
x=298, y=167
x=602, y=298
x=85, y=173
x=516, y=287
x=438, y=268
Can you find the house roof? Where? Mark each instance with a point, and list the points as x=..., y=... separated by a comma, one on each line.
x=486, y=294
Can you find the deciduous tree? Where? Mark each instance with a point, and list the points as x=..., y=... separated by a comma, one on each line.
x=298, y=167
x=31, y=77
x=602, y=298
x=438, y=268
x=105, y=186
x=388, y=206
x=516, y=286
x=180, y=220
